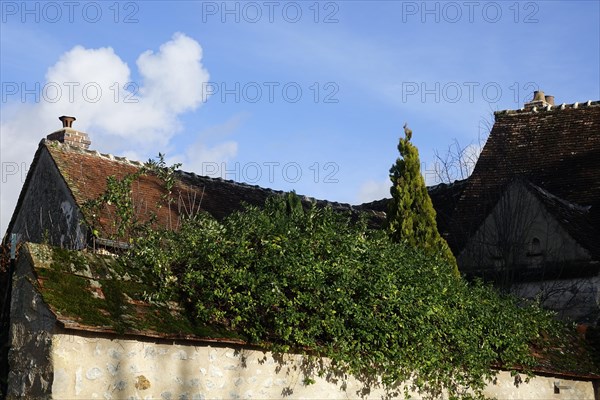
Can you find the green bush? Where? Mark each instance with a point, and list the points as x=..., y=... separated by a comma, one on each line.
x=310, y=280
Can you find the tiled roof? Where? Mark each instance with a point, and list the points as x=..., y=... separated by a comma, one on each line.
x=555, y=148
x=443, y=196
x=91, y=292
x=85, y=172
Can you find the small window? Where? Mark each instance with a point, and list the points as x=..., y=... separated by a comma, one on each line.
x=535, y=247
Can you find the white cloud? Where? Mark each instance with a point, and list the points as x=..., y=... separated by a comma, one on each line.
x=174, y=76
x=205, y=159
x=107, y=102
x=95, y=85
x=374, y=190
x=209, y=160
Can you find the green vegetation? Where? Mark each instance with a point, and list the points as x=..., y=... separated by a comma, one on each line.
x=99, y=291
x=411, y=216
x=311, y=281
x=385, y=307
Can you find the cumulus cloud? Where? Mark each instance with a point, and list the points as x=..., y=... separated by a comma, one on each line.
x=107, y=101
x=121, y=114
x=174, y=76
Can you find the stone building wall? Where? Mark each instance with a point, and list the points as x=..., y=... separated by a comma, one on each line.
x=31, y=326
x=48, y=212
x=573, y=299
x=517, y=219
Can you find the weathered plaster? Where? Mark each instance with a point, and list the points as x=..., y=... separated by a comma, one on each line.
x=89, y=367
x=539, y=388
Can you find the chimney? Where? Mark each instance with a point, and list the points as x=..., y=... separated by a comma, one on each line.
x=69, y=135
x=540, y=101
x=67, y=121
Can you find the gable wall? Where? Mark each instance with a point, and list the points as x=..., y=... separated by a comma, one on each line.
x=517, y=218
x=48, y=211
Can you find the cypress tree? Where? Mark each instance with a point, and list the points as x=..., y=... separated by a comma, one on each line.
x=411, y=216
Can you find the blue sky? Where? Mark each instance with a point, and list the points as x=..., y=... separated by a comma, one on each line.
x=305, y=95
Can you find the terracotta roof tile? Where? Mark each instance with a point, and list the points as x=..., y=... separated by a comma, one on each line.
x=85, y=172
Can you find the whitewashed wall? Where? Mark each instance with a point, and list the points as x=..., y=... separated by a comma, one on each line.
x=100, y=368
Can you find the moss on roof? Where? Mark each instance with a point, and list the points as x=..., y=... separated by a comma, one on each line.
x=95, y=292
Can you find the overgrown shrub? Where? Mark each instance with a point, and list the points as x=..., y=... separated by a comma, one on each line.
x=312, y=281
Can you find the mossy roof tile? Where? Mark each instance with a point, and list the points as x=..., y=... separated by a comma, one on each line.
x=92, y=292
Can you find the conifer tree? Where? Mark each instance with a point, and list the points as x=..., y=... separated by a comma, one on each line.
x=411, y=216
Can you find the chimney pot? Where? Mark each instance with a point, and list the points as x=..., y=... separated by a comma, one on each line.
x=67, y=121
x=538, y=95
x=539, y=101
x=69, y=135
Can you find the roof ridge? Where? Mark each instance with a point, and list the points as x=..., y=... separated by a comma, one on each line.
x=550, y=108
x=551, y=196
x=192, y=175
x=80, y=150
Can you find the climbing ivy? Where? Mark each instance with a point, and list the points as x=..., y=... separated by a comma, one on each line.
x=117, y=196
x=166, y=173
x=311, y=281
x=291, y=277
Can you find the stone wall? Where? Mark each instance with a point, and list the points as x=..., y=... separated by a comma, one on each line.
x=48, y=212
x=31, y=326
x=87, y=367
x=91, y=367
